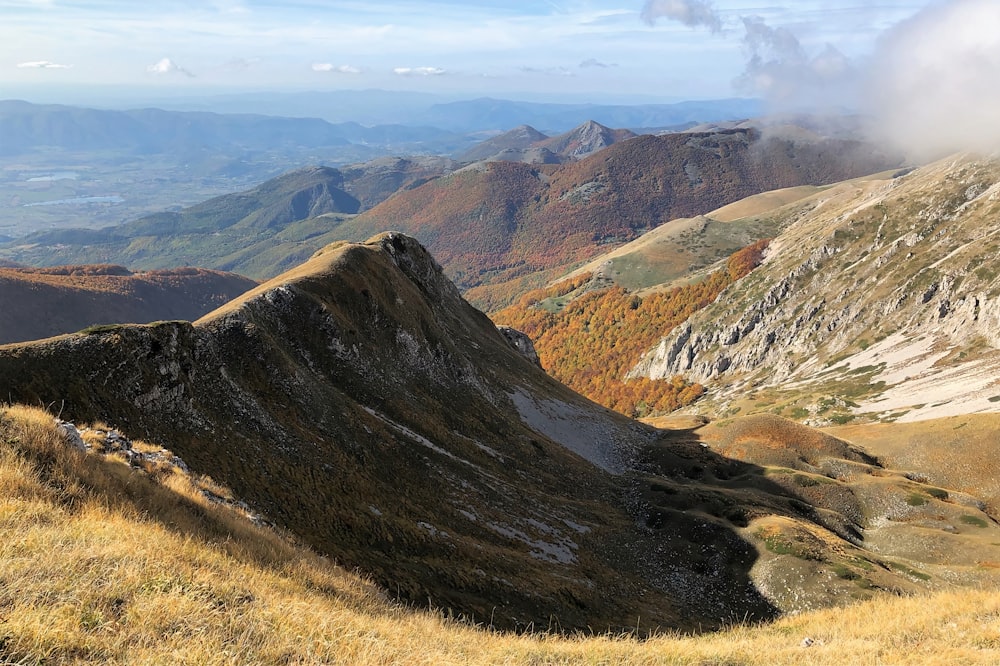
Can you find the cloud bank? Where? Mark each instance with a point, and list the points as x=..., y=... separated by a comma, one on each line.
x=419, y=71
x=42, y=64
x=933, y=87
x=336, y=69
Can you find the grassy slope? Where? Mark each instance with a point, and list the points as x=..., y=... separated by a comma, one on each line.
x=99, y=564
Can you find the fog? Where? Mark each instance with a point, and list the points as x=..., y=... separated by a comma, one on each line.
x=930, y=88
x=933, y=86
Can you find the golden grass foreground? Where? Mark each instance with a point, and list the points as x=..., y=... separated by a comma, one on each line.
x=103, y=564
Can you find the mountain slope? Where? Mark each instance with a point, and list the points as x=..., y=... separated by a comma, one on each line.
x=69, y=298
x=128, y=566
x=358, y=402
x=498, y=223
x=878, y=301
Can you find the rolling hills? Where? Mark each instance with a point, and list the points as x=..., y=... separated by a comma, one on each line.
x=65, y=299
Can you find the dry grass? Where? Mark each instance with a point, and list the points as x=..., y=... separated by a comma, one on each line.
x=100, y=564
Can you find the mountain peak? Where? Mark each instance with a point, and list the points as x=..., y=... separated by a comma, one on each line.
x=586, y=139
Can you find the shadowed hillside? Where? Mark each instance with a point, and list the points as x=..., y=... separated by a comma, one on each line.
x=126, y=566
x=64, y=299
x=360, y=403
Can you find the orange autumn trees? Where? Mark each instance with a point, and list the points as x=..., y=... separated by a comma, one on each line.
x=592, y=341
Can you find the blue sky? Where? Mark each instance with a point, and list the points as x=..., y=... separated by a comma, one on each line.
x=601, y=49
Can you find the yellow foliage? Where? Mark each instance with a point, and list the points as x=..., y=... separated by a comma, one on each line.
x=592, y=343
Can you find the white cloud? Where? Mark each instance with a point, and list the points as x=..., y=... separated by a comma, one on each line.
x=692, y=13
x=168, y=66
x=548, y=71
x=933, y=86
x=337, y=69
x=419, y=71
x=594, y=62
x=42, y=64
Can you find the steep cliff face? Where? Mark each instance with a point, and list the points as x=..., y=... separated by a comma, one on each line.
x=882, y=293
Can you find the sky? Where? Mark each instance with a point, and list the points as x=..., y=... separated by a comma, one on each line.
x=594, y=50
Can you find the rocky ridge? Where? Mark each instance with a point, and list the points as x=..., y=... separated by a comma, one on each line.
x=885, y=287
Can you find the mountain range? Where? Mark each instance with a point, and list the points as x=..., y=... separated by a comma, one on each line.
x=497, y=227
x=410, y=108
x=826, y=318
x=28, y=127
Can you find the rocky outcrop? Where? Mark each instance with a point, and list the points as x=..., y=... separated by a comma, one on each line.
x=521, y=342
x=863, y=273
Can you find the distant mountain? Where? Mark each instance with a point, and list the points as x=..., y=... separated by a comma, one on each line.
x=528, y=145
x=381, y=107
x=28, y=127
x=585, y=140
x=65, y=299
x=518, y=139
x=498, y=227
x=487, y=113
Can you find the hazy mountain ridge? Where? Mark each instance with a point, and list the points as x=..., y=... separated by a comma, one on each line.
x=27, y=127
x=486, y=113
